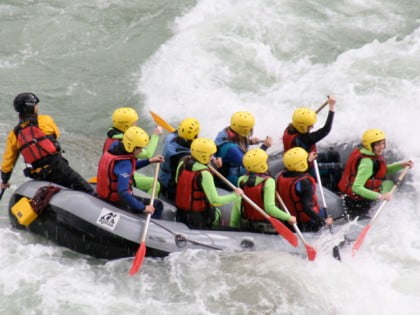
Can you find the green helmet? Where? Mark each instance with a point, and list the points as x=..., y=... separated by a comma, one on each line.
x=255, y=161
x=202, y=149
x=371, y=136
x=296, y=159
x=135, y=137
x=189, y=129
x=303, y=118
x=124, y=117
x=242, y=123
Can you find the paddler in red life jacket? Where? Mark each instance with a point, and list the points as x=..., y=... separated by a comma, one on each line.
x=363, y=180
x=196, y=195
x=35, y=138
x=260, y=188
x=116, y=168
x=122, y=119
x=232, y=143
x=298, y=134
x=298, y=190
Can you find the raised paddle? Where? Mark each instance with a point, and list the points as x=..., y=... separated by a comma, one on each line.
x=141, y=251
x=280, y=227
x=310, y=251
x=161, y=122
x=362, y=235
x=322, y=106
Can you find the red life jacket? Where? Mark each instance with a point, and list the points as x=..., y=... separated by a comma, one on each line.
x=106, y=186
x=34, y=144
x=107, y=144
x=350, y=171
x=290, y=138
x=256, y=194
x=286, y=186
x=190, y=195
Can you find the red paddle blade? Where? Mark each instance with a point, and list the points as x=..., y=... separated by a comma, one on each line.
x=311, y=252
x=138, y=260
x=284, y=231
x=360, y=239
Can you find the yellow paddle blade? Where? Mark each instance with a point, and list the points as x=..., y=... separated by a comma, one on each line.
x=161, y=122
x=92, y=180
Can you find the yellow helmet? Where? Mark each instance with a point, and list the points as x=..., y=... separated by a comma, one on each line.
x=124, y=117
x=189, y=129
x=135, y=137
x=296, y=159
x=303, y=118
x=202, y=149
x=371, y=136
x=242, y=123
x=255, y=160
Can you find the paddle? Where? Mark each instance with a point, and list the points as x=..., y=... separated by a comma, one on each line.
x=280, y=227
x=322, y=106
x=161, y=122
x=310, y=251
x=321, y=190
x=362, y=235
x=2, y=192
x=141, y=252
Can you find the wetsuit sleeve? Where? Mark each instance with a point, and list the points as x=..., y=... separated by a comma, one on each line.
x=305, y=192
x=207, y=183
x=123, y=171
x=150, y=150
x=393, y=168
x=142, y=163
x=364, y=172
x=308, y=139
x=10, y=155
x=269, y=201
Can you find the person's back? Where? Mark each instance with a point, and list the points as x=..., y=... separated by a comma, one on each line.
x=298, y=134
x=176, y=146
x=196, y=195
x=35, y=137
x=258, y=186
x=297, y=188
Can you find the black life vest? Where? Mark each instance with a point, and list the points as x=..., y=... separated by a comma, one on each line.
x=256, y=194
x=286, y=186
x=189, y=193
x=350, y=171
x=34, y=144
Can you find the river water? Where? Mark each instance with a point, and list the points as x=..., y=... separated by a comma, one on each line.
x=208, y=59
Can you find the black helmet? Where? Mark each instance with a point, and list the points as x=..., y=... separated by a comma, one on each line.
x=25, y=103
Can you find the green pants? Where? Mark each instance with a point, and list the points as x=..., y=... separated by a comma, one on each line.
x=145, y=183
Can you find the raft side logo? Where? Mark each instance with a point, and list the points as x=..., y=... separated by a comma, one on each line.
x=107, y=218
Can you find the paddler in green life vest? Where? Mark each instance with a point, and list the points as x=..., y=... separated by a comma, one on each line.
x=260, y=188
x=363, y=180
x=196, y=195
x=122, y=119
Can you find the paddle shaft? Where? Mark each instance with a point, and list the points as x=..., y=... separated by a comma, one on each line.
x=2, y=193
x=396, y=185
x=152, y=199
x=295, y=226
x=321, y=107
x=246, y=198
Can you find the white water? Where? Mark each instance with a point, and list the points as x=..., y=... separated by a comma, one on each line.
x=267, y=57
